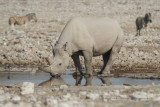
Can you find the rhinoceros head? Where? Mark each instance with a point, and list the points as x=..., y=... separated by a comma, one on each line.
x=60, y=59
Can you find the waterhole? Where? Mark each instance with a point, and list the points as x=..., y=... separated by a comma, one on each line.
x=42, y=78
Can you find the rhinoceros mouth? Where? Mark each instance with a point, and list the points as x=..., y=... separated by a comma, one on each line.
x=48, y=70
x=55, y=75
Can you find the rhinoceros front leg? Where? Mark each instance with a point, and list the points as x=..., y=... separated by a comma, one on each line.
x=77, y=64
x=88, y=62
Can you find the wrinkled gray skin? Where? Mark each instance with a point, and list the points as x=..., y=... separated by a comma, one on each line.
x=88, y=37
x=142, y=22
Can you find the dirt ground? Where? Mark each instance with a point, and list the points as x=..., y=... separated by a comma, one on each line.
x=31, y=47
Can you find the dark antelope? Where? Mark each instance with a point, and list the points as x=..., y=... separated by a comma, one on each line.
x=142, y=22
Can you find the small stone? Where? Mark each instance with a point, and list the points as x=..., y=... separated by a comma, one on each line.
x=155, y=52
x=66, y=97
x=63, y=87
x=156, y=99
x=51, y=101
x=16, y=98
x=20, y=104
x=1, y=91
x=123, y=96
x=2, y=98
x=82, y=93
x=63, y=105
x=92, y=96
x=106, y=95
x=27, y=88
x=142, y=95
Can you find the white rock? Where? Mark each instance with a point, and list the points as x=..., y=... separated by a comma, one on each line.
x=155, y=52
x=37, y=104
x=76, y=103
x=27, y=88
x=16, y=98
x=7, y=96
x=32, y=98
x=2, y=98
x=116, y=92
x=106, y=95
x=63, y=87
x=20, y=31
x=123, y=96
x=142, y=95
x=141, y=54
x=66, y=97
x=64, y=105
x=82, y=93
x=156, y=99
x=21, y=104
x=51, y=101
x=92, y=96
x=1, y=91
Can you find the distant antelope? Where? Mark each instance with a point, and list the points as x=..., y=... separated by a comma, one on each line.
x=142, y=22
x=15, y=20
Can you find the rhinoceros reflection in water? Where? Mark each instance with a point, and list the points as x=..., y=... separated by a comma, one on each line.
x=54, y=81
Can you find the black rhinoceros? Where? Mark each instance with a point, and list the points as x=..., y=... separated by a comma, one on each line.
x=88, y=37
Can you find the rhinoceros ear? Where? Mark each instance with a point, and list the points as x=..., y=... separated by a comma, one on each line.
x=65, y=46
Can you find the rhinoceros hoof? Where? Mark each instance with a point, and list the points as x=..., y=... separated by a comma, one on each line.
x=105, y=75
x=77, y=74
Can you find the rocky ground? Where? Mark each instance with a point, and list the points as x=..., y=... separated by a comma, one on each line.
x=28, y=95
x=32, y=46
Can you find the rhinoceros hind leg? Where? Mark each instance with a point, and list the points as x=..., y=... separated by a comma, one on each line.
x=114, y=51
x=105, y=60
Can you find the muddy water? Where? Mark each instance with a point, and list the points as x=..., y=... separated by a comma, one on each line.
x=42, y=78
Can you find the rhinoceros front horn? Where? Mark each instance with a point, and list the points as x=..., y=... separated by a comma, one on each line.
x=45, y=69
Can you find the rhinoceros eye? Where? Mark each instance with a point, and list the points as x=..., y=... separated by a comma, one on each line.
x=60, y=64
